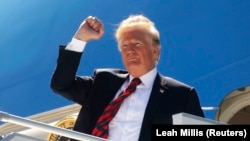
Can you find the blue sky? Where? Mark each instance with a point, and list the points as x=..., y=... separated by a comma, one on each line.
x=205, y=43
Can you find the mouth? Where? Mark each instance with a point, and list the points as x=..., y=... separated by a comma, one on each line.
x=131, y=58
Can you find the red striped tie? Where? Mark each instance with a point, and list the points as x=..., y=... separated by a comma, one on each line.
x=101, y=129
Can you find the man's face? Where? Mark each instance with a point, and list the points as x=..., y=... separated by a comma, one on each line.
x=139, y=54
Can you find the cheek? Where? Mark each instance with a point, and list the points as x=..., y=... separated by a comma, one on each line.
x=123, y=55
x=150, y=54
x=155, y=54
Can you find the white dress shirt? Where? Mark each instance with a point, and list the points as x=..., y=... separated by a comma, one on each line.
x=126, y=125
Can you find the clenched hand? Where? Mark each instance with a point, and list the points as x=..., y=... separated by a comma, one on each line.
x=90, y=29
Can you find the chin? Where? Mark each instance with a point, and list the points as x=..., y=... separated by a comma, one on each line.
x=133, y=68
x=133, y=64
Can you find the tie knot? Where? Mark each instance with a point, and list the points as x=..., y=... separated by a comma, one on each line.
x=136, y=81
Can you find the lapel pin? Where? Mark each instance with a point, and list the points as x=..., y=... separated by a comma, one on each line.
x=161, y=91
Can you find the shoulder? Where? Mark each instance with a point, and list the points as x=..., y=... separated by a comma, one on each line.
x=110, y=72
x=110, y=75
x=173, y=83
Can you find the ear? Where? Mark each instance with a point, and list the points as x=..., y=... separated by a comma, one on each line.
x=156, y=52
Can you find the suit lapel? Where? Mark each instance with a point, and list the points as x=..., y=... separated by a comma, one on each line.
x=152, y=108
x=114, y=87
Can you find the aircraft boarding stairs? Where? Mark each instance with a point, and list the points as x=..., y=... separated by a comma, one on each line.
x=178, y=119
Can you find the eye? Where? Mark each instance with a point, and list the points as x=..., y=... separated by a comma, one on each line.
x=138, y=44
x=123, y=46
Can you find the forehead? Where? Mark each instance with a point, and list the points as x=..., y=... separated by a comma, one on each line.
x=138, y=32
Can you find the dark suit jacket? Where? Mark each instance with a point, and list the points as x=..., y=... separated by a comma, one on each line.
x=94, y=93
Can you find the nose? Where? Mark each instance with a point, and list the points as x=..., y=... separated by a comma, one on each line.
x=128, y=47
x=131, y=47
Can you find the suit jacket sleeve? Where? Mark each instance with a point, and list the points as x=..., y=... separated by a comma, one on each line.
x=64, y=80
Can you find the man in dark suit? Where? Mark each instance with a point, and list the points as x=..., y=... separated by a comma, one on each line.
x=154, y=101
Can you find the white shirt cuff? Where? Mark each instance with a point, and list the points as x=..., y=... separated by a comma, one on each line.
x=76, y=45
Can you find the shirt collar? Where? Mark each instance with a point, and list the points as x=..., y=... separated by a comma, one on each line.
x=148, y=78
